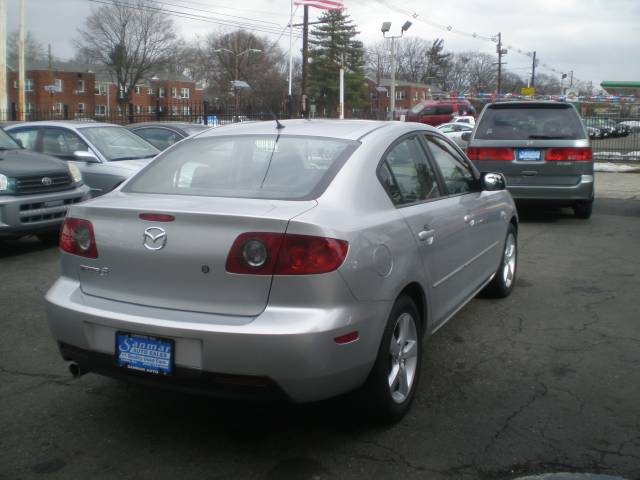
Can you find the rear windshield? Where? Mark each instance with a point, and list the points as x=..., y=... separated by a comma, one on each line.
x=248, y=166
x=518, y=122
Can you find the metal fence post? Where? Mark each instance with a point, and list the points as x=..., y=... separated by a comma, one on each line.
x=65, y=110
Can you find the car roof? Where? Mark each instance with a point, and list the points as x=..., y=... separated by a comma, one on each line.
x=530, y=103
x=132, y=126
x=66, y=123
x=344, y=129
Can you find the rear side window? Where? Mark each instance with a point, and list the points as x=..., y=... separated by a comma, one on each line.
x=27, y=137
x=444, y=109
x=518, y=122
x=250, y=166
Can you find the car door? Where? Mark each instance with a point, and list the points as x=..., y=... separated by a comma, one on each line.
x=481, y=212
x=435, y=220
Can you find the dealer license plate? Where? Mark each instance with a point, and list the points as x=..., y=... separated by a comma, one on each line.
x=144, y=353
x=528, y=155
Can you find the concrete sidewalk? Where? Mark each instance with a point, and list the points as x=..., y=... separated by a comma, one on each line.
x=618, y=185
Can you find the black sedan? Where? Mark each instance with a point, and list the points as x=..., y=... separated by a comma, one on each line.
x=164, y=134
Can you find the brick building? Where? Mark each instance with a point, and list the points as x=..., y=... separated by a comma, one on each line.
x=77, y=90
x=408, y=94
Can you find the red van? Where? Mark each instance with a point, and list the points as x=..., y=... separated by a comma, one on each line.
x=437, y=112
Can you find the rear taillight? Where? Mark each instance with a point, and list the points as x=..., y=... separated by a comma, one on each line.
x=490, y=154
x=284, y=254
x=568, y=154
x=77, y=237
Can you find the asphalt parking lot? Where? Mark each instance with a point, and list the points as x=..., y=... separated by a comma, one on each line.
x=546, y=380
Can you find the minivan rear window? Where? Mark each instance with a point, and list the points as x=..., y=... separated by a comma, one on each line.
x=530, y=122
x=247, y=166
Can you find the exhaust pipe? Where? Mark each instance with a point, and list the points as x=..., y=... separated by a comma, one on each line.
x=76, y=370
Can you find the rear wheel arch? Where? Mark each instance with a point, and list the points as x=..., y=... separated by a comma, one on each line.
x=415, y=291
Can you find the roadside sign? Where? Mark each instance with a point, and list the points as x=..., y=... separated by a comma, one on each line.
x=528, y=91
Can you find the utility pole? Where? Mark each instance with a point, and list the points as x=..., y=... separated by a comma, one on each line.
x=4, y=101
x=21, y=67
x=501, y=52
x=290, y=98
x=533, y=71
x=342, y=89
x=305, y=60
x=571, y=80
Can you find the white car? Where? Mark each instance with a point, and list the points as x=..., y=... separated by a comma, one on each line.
x=468, y=119
x=454, y=131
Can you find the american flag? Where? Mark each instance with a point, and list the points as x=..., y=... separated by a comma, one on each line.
x=322, y=4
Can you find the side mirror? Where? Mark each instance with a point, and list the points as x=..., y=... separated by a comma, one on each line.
x=85, y=156
x=466, y=136
x=493, y=182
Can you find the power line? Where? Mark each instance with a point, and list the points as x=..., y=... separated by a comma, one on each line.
x=452, y=29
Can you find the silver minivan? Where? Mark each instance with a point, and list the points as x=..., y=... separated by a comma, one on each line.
x=543, y=150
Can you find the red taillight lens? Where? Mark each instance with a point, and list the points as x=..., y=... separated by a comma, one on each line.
x=77, y=237
x=583, y=154
x=259, y=253
x=157, y=217
x=490, y=154
x=306, y=255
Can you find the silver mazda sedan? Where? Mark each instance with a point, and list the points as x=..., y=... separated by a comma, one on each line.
x=299, y=260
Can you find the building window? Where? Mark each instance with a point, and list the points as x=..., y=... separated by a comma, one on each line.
x=152, y=109
x=58, y=84
x=81, y=108
x=151, y=91
x=28, y=85
x=101, y=110
x=101, y=89
x=174, y=110
x=80, y=86
x=138, y=109
x=161, y=92
x=137, y=90
x=415, y=95
x=424, y=95
x=29, y=107
x=58, y=108
x=174, y=92
x=401, y=95
x=15, y=84
x=185, y=93
x=388, y=93
x=186, y=110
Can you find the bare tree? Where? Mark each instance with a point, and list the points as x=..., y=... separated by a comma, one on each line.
x=34, y=50
x=130, y=38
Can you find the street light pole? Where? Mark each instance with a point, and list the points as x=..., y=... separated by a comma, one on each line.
x=386, y=26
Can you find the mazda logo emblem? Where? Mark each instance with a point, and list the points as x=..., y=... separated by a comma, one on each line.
x=46, y=181
x=154, y=238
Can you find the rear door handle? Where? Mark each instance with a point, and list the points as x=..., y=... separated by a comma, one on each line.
x=427, y=236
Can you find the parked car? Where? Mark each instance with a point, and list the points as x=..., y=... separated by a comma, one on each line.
x=468, y=119
x=594, y=133
x=35, y=191
x=106, y=154
x=164, y=134
x=303, y=261
x=632, y=125
x=437, y=112
x=609, y=128
x=541, y=147
x=454, y=131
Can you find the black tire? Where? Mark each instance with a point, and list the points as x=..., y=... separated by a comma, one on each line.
x=377, y=393
x=501, y=286
x=49, y=238
x=583, y=210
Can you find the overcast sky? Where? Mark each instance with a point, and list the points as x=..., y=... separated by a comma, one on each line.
x=597, y=39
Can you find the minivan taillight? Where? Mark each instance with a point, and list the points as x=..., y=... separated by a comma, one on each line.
x=261, y=253
x=77, y=237
x=569, y=154
x=490, y=154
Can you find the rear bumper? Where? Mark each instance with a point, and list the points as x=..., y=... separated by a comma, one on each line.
x=28, y=214
x=291, y=349
x=581, y=192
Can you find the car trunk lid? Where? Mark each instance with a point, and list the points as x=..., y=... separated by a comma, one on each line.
x=179, y=263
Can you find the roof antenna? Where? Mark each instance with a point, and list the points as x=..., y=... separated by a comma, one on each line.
x=279, y=126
